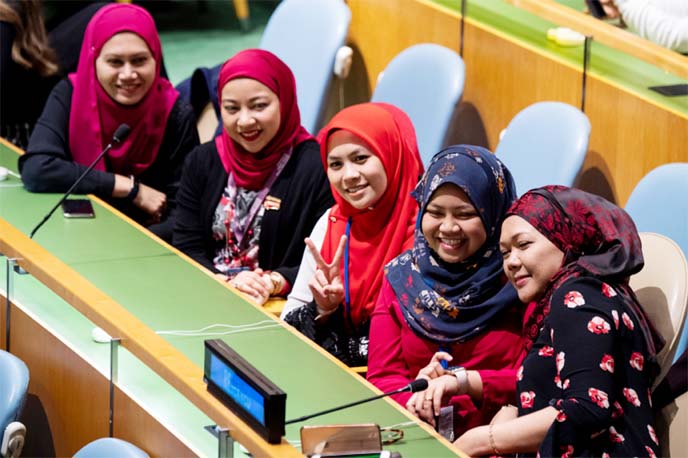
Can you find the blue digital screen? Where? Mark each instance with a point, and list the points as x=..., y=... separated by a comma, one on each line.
x=236, y=388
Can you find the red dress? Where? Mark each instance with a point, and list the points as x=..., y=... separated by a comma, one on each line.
x=396, y=354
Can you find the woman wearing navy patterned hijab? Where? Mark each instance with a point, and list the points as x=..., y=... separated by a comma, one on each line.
x=448, y=295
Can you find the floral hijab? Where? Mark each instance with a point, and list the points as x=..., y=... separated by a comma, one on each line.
x=597, y=238
x=449, y=303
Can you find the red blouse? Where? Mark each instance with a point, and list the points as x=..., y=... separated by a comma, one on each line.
x=396, y=354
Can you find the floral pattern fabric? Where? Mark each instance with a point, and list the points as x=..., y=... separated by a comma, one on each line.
x=589, y=362
x=232, y=257
x=449, y=303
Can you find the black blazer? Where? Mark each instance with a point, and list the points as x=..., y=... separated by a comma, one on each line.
x=302, y=187
x=47, y=165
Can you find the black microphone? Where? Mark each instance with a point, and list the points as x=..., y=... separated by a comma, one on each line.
x=413, y=387
x=121, y=133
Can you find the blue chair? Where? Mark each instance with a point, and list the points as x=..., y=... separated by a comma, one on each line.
x=306, y=35
x=14, y=382
x=110, y=447
x=426, y=81
x=545, y=143
x=658, y=204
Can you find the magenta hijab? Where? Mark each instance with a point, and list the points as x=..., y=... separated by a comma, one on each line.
x=94, y=116
x=251, y=171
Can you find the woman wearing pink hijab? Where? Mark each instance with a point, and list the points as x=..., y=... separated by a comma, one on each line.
x=117, y=82
x=249, y=197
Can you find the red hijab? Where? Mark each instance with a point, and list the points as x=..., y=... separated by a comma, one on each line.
x=250, y=171
x=94, y=116
x=383, y=232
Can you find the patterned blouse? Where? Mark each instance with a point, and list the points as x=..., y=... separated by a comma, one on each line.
x=589, y=363
x=233, y=256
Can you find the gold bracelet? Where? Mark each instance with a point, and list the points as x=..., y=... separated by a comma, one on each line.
x=491, y=439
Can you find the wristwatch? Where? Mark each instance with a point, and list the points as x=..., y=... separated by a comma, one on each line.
x=461, y=377
x=277, y=283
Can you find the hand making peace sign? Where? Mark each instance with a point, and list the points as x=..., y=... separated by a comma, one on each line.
x=326, y=285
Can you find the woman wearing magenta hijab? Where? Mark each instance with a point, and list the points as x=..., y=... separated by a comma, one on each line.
x=249, y=197
x=117, y=82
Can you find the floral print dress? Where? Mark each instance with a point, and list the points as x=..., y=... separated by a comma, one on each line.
x=589, y=362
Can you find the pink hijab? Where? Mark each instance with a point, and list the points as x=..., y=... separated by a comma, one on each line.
x=250, y=171
x=94, y=116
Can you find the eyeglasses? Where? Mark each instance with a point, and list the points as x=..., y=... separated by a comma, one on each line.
x=391, y=435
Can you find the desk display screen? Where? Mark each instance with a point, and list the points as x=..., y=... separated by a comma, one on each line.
x=244, y=390
x=236, y=388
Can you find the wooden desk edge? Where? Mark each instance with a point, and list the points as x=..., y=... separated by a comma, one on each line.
x=682, y=60
x=607, y=34
x=136, y=337
x=112, y=326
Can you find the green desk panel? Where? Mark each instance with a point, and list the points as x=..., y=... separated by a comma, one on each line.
x=621, y=69
x=155, y=395
x=168, y=293
x=186, y=299
x=72, y=240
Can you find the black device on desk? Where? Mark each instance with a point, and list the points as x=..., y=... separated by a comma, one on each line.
x=77, y=208
x=596, y=8
x=246, y=391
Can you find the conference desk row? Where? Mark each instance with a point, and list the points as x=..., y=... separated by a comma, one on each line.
x=110, y=272
x=511, y=64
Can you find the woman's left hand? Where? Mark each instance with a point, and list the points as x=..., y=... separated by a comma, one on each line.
x=256, y=284
x=434, y=368
x=426, y=404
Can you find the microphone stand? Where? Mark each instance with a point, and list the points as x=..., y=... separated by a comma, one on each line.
x=116, y=139
x=334, y=409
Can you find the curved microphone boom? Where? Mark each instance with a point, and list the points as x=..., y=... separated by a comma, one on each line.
x=413, y=387
x=121, y=133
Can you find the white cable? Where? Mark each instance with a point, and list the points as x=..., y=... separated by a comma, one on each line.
x=226, y=333
x=236, y=329
x=401, y=425
x=219, y=325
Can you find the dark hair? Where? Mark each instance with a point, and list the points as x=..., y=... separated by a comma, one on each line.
x=30, y=48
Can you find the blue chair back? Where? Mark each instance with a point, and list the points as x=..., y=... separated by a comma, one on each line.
x=545, y=143
x=426, y=81
x=306, y=35
x=14, y=383
x=110, y=447
x=659, y=203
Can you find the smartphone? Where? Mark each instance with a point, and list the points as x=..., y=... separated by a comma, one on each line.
x=596, y=9
x=77, y=208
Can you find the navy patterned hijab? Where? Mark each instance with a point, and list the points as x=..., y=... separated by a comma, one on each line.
x=448, y=303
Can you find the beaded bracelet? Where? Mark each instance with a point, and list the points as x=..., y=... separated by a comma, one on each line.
x=491, y=439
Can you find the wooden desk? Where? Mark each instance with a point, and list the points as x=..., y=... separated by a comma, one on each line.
x=136, y=287
x=510, y=64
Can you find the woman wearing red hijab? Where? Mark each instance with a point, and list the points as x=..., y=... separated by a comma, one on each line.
x=117, y=81
x=373, y=164
x=249, y=197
